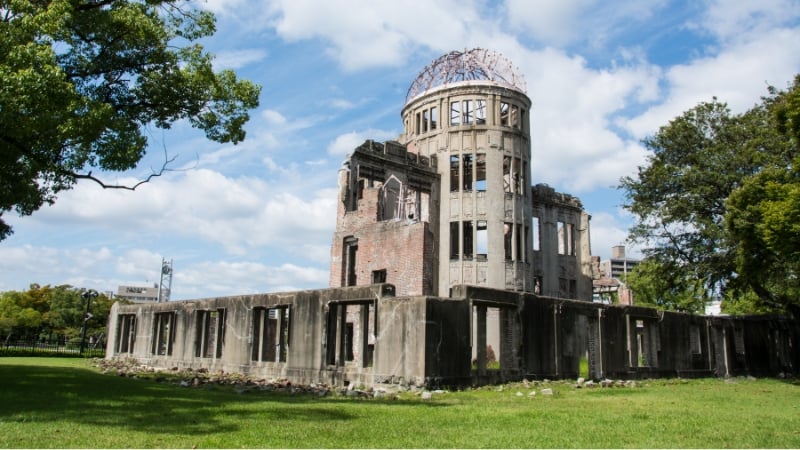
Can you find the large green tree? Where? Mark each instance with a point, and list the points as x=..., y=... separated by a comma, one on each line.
x=80, y=80
x=679, y=197
x=764, y=219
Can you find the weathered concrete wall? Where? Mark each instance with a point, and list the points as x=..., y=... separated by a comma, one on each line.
x=447, y=341
x=305, y=350
x=562, y=263
x=366, y=336
x=636, y=342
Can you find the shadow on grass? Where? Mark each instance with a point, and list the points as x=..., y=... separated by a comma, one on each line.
x=36, y=393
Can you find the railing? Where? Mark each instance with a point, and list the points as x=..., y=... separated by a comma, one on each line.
x=33, y=348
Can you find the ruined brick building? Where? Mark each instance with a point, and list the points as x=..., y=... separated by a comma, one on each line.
x=449, y=266
x=451, y=201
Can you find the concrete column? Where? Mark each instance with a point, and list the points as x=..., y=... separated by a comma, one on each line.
x=341, y=327
x=364, y=317
x=480, y=339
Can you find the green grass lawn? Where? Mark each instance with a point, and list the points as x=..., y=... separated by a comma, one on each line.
x=55, y=402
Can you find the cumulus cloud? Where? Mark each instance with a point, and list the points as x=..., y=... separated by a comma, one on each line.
x=345, y=143
x=738, y=75
x=561, y=22
x=236, y=59
x=247, y=277
x=373, y=34
x=103, y=270
x=735, y=21
x=238, y=213
x=572, y=121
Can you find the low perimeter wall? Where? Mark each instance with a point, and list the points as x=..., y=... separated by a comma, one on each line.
x=368, y=337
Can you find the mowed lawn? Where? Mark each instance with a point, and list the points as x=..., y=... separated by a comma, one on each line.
x=66, y=403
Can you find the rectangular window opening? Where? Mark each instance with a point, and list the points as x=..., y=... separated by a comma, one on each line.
x=434, y=118
x=482, y=240
x=126, y=333
x=480, y=112
x=467, y=172
x=480, y=172
x=536, y=234
x=379, y=276
x=210, y=335
x=468, y=239
x=349, y=273
x=163, y=333
x=455, y=113
x=454, y=241
x=507, y=239
x=270, y=334
x=454, y=173
x=504, y=112
x=507, y=181
x=348, y=342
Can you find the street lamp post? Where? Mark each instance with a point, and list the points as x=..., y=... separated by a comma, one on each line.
x=88, y=296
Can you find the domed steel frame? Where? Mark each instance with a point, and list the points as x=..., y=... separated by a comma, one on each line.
x=475, y=64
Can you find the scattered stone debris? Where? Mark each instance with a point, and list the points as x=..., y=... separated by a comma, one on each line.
x=243, y=385
x=604, y=383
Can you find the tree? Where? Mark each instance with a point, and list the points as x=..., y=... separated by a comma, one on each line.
x=764, y=220
x=17, y=317
x=679, y=197
x=80, y=80
x=665, y=286
x=51, y=313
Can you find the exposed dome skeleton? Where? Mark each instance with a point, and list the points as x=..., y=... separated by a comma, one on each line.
x=477, y=64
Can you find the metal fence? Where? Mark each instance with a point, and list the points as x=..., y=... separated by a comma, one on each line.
x=33, y=348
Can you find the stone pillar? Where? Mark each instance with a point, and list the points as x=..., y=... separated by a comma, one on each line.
x=480, y=338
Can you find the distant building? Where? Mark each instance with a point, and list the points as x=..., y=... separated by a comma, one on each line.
x=619, y=265
x=608, y=277
x=138, y=294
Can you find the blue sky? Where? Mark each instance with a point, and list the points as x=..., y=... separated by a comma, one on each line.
x=259, y=216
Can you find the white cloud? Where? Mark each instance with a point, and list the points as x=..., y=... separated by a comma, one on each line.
x=561, y=22
x=236, y=59
x=574, y=110
x=738, y=75
x=374, y=34
x=273, y=118
x=98, y=268
x=745, y=19
x=238, y=213
x=247, y=277
x=548, y=21
x=102, y=270
x=346, y=143
x=609, y=230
